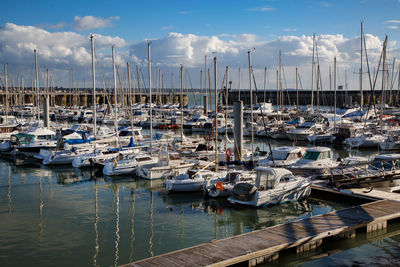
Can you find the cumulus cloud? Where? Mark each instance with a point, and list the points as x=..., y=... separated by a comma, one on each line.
x=91, y=22
x=61, y=51
x=58, y=51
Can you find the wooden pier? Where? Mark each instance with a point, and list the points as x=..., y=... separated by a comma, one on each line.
x=264, y=245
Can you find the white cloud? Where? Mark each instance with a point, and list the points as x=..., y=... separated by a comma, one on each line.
x=184, y=12
x=165, y=28
x=61, y=51
x=325, y=4
x=392, y=27
x=90, y=22
x=262, y=9
x=289, y=29
x=396, y=21
x=57, y=51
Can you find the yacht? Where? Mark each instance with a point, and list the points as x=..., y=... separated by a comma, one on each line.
x=272, y=186
x=222, y=187
x=191, y=181
x=283, y=156
x=127, y=165
x=315, y=162
x=169, y=164
x=301, y=132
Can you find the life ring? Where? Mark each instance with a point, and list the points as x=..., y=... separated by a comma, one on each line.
x=228, y=153
x=115, y=162
x=219, y=186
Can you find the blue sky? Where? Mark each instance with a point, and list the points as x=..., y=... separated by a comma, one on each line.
x=153, y=19
x=228, y=28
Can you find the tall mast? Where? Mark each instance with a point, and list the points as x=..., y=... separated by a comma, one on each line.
x=94, y=87
x=297, y=89
x=115, y=95
x=384, y=77
x=265, y=83
x=239, y=82
x=312, y=73
x=37, y=86
x=6, y=85
x=181, y=99
x=226, y=105
x=151, y=109
x=128, y=70
x=335, y=87
x=216, y=112
x=251, y=108
x=361, y=68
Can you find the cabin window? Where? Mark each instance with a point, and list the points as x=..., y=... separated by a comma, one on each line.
x=43, y=137
x=287, y=178
x=311, y=155
x=136, y=132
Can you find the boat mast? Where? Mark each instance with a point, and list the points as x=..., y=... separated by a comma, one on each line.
x=312, y=73
x=37, y=86
x=239, y=84
x=6, y=88
x=151, y=109
x=181, y=100
x=297, y=90
x=115, y=95
x=94, y=87
x=383, y=100
x=251, y=108
x=226, y=105
x=334, y=85
x=216, y=112
x=128, y=69
x=265, y=83
x=361, y=68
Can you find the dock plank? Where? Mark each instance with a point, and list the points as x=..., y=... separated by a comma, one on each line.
x=270, y=240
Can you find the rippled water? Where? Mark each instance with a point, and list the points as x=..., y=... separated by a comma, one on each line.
x=64, y=217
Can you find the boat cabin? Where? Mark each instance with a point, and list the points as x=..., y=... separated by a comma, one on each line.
x=269, y=178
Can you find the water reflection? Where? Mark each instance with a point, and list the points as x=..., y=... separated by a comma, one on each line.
x=156, y=222
x=117, y=237
x=132, y=226
x=96, y=221
x=9, y=190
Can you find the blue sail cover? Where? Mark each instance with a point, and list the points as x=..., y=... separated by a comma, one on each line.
x=78, y=141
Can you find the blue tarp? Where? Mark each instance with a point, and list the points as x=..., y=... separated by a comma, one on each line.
x=131, y=143
x=296, y=121
x=78, y=141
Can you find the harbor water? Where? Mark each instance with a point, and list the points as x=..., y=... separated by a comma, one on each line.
x=65, y=216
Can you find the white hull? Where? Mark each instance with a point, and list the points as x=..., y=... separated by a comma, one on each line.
x=271, y=197
x=159, y=172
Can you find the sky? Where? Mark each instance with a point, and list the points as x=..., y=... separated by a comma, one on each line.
x=184, y=32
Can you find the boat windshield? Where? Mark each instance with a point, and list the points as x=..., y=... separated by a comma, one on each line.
x=312, y=155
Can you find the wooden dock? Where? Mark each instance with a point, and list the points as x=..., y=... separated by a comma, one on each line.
x=264, y=245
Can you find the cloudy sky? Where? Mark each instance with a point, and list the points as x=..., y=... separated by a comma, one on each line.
x=184, y=32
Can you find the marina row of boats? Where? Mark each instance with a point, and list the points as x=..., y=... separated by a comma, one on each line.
x=189, y=163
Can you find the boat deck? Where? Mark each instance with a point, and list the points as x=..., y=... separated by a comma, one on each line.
x=264, y=245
